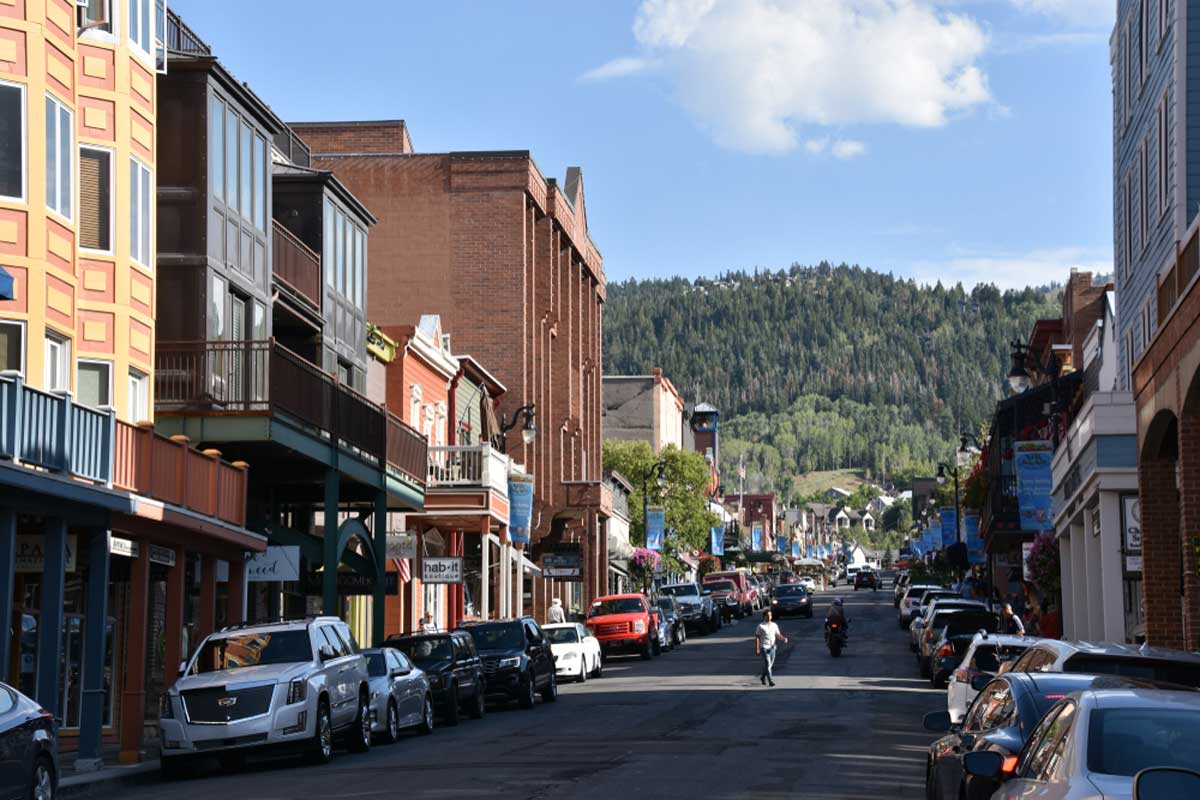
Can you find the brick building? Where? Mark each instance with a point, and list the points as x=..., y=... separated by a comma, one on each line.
x=643, y=407
x=503, y=255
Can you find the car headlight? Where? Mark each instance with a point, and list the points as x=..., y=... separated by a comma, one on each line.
x=165, y=709
x=511, y=661
x=297, y=691
x=639, y=626
x=774, y=602
x=803, y=600
x=731, y=601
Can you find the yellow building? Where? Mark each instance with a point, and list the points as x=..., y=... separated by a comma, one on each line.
x=77, y=196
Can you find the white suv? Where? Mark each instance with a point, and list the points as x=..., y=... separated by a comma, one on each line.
x=285, y=683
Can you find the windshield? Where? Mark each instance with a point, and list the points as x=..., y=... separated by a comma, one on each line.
x=376, y=665
x=424, y=651
x=972, y=622
x=254, y=649
x=617, y=605
x=562, y=635
x=683, y=590
x=990, y=657
x=1124, y=741
x=498, y=636
x=720, y=586
x=790, y=591
x=666, y=606
x=1159, y=671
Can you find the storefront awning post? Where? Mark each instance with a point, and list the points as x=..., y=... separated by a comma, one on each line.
x=91, y=717
x=378, y=592
x=8, y=559
x=54, y=566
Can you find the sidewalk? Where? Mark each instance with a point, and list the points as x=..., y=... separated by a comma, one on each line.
x=107, y=780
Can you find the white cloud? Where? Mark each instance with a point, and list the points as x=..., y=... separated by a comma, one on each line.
x=755, y=72
x=1013, y=271
x=848, y=148
x=617, y=68
x=1090, y=13
x=817, y=146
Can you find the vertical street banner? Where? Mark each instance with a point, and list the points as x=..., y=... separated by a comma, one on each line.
x=781, y=543
x=810, y=551
x=656, y=525
x=975, y=551
x=718, y=541
x=949, y=526
x=520, y=507
x=756, y=537
x=1031, y=459
x=931, y=540
x=795, y=549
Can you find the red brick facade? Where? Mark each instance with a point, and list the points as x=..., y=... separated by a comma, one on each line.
x=504, y=256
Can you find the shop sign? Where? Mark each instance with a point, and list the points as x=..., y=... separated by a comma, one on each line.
x=1035, y=480
x=447, y=569
x=352, y=583
x=557, y=565
x=520, y=507
x=1026, y=549
x=161, y=555
x=31, y=553
x=123, y=547
x=401, y=544
x=1131, y=532
x=278, y=563
x=1133, y=563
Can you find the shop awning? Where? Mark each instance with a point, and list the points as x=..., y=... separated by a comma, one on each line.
x=6, y=285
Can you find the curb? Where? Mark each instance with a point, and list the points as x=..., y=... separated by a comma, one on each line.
x=106, y=780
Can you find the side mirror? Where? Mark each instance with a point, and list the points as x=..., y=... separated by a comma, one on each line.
x=182, y=667
x=326, y=652
x=980, y=681
x=1161, y=783
x=937, y=721
x=983, y=763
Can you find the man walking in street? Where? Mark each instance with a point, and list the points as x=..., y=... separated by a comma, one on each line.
x=764, y=645
x=1012, y=623
x=556, y=614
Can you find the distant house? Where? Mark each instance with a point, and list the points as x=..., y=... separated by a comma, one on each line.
x=880, y=504
x=835, y=495
x=867, y=519
x=839, y=518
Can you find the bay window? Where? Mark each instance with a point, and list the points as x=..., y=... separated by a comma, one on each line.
x=140, y=200
x=60, y=157
x=12, y=141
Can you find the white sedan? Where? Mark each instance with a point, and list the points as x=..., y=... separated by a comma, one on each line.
x=808, y=583
x=576, y=652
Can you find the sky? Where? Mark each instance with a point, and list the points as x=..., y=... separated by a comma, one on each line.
x=953, y=140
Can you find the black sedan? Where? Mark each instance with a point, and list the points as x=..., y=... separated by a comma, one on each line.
x=29, y=749
x=791, y=598
x=1001, y=719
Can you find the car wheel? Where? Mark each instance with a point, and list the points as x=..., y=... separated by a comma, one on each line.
x=550, y=693
x=682, y=634
x=583, y=669
x=525, y=699
x=479, y=707
x=321, y=749
x=42, y=782
x=598, y=672
x=391, y=731
x=452, y=705
x=425, y=727
x=647, y=650
x=655, y=648
x=360, y=736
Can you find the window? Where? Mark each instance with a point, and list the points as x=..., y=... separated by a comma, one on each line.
x=58, y=363
x=360, y=297
x=352, y=263
x=1164, y=156
x=95, y=199
x=231, y=158
x=216, y=147
x=246, y=204
x=328, y=245
x=12, y=347
x=216, y=305
x=93, y=383
x=141, y=12
x=60, y=155
x=12, y=141
x=1143, y=33
x=1147, y=323
x=1128, y=233
x=139, y=397
x=1164, y=18
x=95, y=15
x=139, y=213
x=261, y=212
x=1144, y=191
x=341, y=253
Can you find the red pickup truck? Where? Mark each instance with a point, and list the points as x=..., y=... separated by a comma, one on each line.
x=624, y=623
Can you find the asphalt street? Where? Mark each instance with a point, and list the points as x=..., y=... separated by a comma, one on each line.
x=694, y=723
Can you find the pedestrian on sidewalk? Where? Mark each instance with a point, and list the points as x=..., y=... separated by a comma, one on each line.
x=1012, y=623
x=556, y=614
x=764, y=645
x=428, y=625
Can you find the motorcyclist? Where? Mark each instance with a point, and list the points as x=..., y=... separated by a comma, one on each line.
x=837, y=613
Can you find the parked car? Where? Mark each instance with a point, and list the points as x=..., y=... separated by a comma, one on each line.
x=931, y=634
x=1000, y=720
x=866, y=579
x=576, y=652
x=624, y=623
x=400, y=696
x=297, y=684
x=899, y=584
x=809, y=583
x=1148, y=663
x=452, y=665
x=725, y=597
x=1094, y=742
x=959, y=632
x=28, y=748
x=672, y=630
x=983, y=660
x=791, y=599
x=850, y=573
x=917, y=626
x=764, y=590
x=517, y=660
x=911, y=602
x=699, y=611
x=742, y=588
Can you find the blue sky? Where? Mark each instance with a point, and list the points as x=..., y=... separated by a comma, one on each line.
x=940, y=139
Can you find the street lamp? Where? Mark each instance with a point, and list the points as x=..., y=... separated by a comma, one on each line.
x=528, y=430
x=1018, y=376
x=660, y=479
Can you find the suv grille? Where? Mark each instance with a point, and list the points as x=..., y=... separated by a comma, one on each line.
x=220, y=705
x=610, y=628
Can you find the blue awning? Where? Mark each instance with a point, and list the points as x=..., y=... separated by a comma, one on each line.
x=6, y=285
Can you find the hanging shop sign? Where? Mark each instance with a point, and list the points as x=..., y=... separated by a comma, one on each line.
x=401, y=544
x=442, y=569
x=1035, y=481
x=1026, y=572
x=1131, y=532
x=30, y=555
x=562, y=565
x=656, y=521
x=795, y=549
x=126, y=548
x=164, y=556
x=277, y=563
x=520, y=508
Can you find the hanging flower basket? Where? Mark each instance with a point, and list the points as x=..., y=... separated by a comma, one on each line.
x=643, y=566
x=1045, y=568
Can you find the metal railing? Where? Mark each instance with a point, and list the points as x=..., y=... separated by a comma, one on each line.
x=264, y=377
x=182, y=39
x=293, y=263
x=172, y=471
x=51, y=431
x=468, y=465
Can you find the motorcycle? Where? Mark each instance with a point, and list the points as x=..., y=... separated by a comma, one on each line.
x=835, y=637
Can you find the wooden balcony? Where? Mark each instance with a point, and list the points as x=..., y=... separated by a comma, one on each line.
x=468, y=466
x=295, y=267
x=213, y=378
x=172, y=471
x=50, y=431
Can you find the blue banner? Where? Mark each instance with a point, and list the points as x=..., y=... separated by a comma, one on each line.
x=756, y=537
x=656, y=524
x=781, y=543
x=949, y=526
x=520, y=507
x=809, y=551
x=927, y=541
x=1035, y=481
x=795, y=549
x=718, y=541
x=975, y=551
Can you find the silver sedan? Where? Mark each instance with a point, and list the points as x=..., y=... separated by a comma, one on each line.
x=400, y=696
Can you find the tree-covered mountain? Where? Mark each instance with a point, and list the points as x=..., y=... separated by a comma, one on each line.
x=825, y=367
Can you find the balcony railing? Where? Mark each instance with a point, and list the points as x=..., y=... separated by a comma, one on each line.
x=1001, y=504
x=263, y=377
x=172, y=471
x=468, y=465
x=296, y=266
x=182, y=39
x=48, y=430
